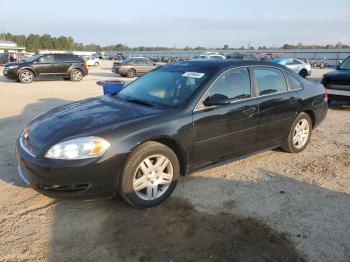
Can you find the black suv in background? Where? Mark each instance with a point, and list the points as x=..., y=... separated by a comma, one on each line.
x=68, y=66
x=337, y=82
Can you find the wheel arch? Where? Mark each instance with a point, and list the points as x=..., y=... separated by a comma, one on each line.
x=178, y=150
x=26, y=68
x=74, y=68
x=311, y=115
x=174, y=146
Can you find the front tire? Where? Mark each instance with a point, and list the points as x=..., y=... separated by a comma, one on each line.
x=150, y=175
x=299, y=134
x=26, y=76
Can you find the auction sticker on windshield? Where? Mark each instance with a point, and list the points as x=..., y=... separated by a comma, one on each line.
x=193, y=74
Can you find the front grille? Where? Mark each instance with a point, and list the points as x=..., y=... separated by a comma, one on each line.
x=339, y=82
x=339, y=87
x=64, y=188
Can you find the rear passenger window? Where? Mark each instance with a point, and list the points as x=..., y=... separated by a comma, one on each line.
x=139, y=62
x=73, y=58
x=270, y=80
x=234, y=84
x=60, y=58
x=294, y=83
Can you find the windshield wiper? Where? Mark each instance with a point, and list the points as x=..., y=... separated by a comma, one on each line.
x=140, y=102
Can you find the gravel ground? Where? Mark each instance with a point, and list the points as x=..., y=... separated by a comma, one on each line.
x=272, y=206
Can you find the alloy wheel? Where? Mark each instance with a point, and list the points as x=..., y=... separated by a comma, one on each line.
x=301, y=133
x=153, y=177
x=77, y=75
x=26, y=77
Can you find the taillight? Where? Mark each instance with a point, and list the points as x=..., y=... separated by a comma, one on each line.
x=84, y=65
x=325, y=95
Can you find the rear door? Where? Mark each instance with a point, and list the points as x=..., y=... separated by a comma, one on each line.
x=140, y=65
x=277, y=105
x=61, y=64
x=226, y=130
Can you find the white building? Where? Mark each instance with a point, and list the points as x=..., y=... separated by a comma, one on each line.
x=10, y=47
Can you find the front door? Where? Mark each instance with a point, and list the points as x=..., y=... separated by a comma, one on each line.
x=226, y=130
x=43, y=65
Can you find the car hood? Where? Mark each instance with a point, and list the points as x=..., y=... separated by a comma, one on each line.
x=14, y=63
x=83, y=118
x=338, y=74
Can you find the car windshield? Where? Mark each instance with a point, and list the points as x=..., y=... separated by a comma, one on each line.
x=168, y=86
x=345, y=65
x=31, y=58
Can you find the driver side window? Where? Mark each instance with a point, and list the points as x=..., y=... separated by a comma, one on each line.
x=234, y=84
x=46, y=59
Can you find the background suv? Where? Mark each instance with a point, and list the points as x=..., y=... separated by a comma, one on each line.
x=338, y=82
x=133, y=66
x=68, y=66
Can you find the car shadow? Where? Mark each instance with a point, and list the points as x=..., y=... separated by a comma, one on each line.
x=340, y=103
x=11, y=128
x=194, y=226
x=104, y=74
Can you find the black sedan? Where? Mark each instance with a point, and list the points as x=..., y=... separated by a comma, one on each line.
x=173, y=120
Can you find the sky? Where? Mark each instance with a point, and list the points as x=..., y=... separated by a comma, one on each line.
x=180, y=23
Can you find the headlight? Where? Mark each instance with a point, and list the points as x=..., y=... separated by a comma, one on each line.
x=11, y=66
x=79, y=148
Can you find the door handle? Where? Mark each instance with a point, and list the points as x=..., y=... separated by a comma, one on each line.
x=249, y=110
x=293, y=100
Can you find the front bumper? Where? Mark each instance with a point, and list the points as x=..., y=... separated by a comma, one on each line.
x=10, y=73
x=88, y=178
x=340, y=90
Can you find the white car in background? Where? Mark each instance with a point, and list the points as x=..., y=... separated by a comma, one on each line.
x=91, y=60
x=211, y=56
x=298, y=66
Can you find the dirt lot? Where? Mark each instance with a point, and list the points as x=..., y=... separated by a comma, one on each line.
x=272, y=206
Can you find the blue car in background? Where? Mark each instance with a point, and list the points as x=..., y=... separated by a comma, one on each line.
x=298, y=66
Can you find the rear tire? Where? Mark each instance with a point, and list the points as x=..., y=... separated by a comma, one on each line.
x=299, y=134
x=150, y=175
x=131, y=73
x=26, y=76
x=76, y=75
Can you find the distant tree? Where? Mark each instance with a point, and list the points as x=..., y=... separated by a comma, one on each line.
x=226, y=47
x=33, y=43
x=46, y=42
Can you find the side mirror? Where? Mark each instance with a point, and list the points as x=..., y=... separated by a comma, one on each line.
x=216, y=100
x=337, y=67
